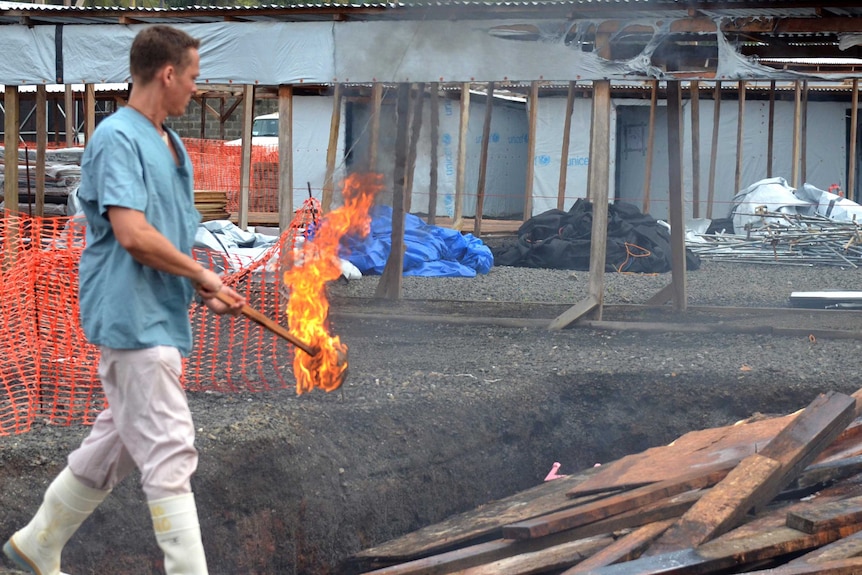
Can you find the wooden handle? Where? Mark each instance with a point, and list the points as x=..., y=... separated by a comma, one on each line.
x=269, y=324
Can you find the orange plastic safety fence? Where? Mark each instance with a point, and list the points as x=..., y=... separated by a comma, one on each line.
x=48, y=371
x=217, y=168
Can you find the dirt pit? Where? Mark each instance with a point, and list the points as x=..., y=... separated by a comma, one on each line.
x=435, y=418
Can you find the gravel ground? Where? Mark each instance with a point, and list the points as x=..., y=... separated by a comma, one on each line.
x=438, y=417
x=714, y=284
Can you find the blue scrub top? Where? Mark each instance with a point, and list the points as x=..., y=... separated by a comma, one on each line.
x=126, y=305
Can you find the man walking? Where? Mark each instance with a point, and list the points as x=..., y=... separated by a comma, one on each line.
x=136, y=282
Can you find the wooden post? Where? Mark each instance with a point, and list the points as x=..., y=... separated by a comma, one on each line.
x=221, y=119
x=285, y=156
x=41, y=146
x=415, y=129
x=11, y=103
x=389, y=286
x=69, y=100
x=770, y=139
x=531, y=149
x=460, y=174
x=376, y=103
x=713, y=152
x=245, y=161
x=332, y=151
x=676, y=196
x=598, y=182
x=653, y=104
x=564, y=152
x=854, y=115
x=600, y=135
x=803, y=135
x=794, y=155
x=435, y=136
x=483, y=161
x=740, y=130
x=694, y=94
x=89, y=111
x=203, y=118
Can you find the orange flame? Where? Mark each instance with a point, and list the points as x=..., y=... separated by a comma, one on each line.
x=316, y=264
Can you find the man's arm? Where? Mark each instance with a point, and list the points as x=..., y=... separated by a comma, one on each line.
x=150, y=248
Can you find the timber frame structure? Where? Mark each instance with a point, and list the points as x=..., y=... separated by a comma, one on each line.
x=519, y=45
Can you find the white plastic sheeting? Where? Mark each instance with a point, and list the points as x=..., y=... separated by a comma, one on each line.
x=311, y=119
x=28, y=55
x=550, y=118
x=268, y=53
x=272, y=53
x=506, y=175
x=461, y=51
x=825, y=160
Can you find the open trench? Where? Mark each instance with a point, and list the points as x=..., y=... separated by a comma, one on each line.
x=435, y=420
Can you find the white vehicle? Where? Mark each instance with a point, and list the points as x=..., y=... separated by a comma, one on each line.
x=264, y=131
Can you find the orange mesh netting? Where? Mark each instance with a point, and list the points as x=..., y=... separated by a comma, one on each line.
x=48, y=370
x=217, y=168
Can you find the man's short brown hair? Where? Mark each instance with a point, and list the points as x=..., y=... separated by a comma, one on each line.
x=157, y=46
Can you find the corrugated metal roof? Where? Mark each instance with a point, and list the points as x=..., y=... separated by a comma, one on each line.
x=628, y=9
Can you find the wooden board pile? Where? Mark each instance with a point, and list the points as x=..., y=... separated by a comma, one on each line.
x=211, y=204
x=779, y=496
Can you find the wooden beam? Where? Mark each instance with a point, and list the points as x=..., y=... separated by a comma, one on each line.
x=625, y=548
x=794, y=155
x=599, y=184
x=461, y=170
x=11, y=105
x=434, y=104
x=245, y=154
x=418, y=102
x=761, y=476
x=676, y=196
x=597, y=190
x=653, y=105
x=854, y=119
x=574, y=313
x=374, y=136
x=770, y=138
x=740, y=130
x=713, y=151
x=694, y=94
x=389, y=286
x=332, y=150
x=531, y=149
x=844, y=548
x=803, y=136
x=89, y=111
x=41, y=146
x=615, y=504
x=203, y=104
x=285, y=157
x=827, y=516
x=483, y=160
x=69, y=99
x=564, y=152
x=547, y=560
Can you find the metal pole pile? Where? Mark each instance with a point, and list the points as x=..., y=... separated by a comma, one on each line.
x=788, y=239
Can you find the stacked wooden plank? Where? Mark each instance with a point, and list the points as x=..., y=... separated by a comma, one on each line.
x=778, y=495
x=212, y=204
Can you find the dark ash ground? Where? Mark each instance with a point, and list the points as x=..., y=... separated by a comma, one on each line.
x=440, y=417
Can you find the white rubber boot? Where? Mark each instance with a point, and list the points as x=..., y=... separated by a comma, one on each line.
x=175, y=521
x=67, y=502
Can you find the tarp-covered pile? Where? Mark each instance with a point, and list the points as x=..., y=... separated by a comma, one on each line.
x=561, y=240
x=429, y=250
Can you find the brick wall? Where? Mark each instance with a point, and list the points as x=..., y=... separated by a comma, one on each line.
x=189, y=125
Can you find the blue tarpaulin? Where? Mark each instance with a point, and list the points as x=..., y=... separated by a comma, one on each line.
x=429, y=250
